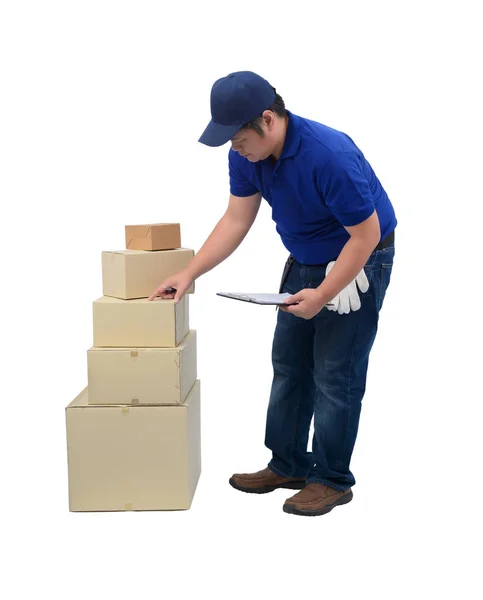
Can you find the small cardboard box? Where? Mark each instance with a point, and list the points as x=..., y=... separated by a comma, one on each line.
x=129, y=274
x=139, y=323
x=142, y=376
x=133, y=458
x=157, y=236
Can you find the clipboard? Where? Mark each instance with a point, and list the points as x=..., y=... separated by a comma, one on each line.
x=257, y=298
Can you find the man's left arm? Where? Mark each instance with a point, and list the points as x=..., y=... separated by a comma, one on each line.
x=364, y=238
x=346, y=193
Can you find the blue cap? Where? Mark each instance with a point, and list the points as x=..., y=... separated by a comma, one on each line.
x=235, y=100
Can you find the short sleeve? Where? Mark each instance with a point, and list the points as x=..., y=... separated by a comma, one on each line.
x=239, y=183
x=345, y=189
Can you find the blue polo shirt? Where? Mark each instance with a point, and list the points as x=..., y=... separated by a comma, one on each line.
x=321, y=184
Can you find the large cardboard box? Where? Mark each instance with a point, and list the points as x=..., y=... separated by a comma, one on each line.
x=133, y=458
x=129, y=274
x=158, y=236
x=139, y=323
x=142, y=375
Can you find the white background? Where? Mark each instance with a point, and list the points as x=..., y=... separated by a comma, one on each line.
x=102, y=104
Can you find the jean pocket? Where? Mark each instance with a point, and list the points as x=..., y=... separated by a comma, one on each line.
x=386, y=271
x=386, y=256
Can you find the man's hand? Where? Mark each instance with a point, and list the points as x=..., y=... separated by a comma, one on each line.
x=173, y=287
x=304, y=304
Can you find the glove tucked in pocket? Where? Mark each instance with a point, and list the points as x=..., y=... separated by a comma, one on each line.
x=348, y=299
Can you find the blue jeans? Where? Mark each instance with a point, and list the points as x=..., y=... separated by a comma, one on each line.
x=319, y=370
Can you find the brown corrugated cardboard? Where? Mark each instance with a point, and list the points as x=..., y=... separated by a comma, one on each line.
x=133, y=458
x=142, y=375
x=157, y=236
x=129, y=274
x=139, y=323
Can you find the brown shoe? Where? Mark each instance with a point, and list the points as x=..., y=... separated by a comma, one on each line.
x=316, y=499
x=265, y=481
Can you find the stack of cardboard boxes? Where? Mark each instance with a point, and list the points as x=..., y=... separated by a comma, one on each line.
x=133, y=434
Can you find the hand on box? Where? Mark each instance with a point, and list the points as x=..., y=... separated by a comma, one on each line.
x=173, y=287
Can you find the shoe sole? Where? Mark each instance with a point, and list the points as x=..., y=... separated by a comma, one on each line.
x=291, y=485
x=290, y=508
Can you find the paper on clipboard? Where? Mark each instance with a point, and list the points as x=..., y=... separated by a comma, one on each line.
x=256, y=298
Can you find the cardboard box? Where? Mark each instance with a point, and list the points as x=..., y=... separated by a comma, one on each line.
x=133, y=458
x=129, y=274
x=139, y=323
x=142, y=376
x=158, y=236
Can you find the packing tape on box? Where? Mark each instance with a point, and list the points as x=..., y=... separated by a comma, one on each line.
x=134, y=353
x=128, y=506
x=125, y=410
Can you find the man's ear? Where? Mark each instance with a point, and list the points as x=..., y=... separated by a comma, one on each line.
x=268, y=118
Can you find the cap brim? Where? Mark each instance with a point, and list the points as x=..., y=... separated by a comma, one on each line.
x=217, y=135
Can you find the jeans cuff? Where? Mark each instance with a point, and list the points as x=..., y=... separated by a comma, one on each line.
x=328, y=483
x=277, y=472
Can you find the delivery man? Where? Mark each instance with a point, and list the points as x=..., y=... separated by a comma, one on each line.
x=337, y=223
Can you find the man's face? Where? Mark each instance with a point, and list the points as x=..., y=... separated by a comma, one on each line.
x=252, y=145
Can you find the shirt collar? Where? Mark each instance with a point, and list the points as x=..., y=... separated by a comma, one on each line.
x=292, y=136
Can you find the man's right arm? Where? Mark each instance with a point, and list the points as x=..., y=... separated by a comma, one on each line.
x=225, y=238
x=227, y=235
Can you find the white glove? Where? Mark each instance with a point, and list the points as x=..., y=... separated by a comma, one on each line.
x=348, y=299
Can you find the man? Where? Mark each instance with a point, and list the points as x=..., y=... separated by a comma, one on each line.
x=338, y=224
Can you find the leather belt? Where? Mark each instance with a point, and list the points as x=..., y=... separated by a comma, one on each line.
x=387, y=241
